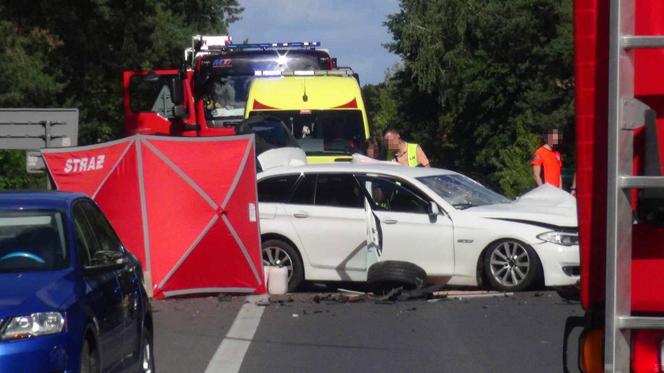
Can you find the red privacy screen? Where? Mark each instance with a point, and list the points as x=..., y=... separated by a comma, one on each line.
x=186, y=207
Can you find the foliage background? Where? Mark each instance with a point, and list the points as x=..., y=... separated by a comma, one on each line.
x=478, y=82
x=57, y=53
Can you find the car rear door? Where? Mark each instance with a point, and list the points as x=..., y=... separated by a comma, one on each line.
x=327, y=211
x=103, y=295
x=409, y=232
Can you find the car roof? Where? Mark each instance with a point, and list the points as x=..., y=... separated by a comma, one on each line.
x=38, y=199
x=395, y=170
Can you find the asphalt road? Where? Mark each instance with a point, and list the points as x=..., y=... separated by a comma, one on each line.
x=519, y=333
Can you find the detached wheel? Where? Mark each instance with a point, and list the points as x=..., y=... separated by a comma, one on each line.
x=89, y=358
x=147, y=352
x=388, y=275
x=511, y=265
x=280, y=254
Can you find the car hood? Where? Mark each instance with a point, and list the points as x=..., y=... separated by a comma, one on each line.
x=27, y=292
x=546, y=206
x=282, y=157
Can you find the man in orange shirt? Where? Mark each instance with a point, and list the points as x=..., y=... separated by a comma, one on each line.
x=546, y=160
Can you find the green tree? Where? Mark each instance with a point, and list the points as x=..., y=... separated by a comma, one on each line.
x=382, y=105
x=481, y=79
x=59, y=53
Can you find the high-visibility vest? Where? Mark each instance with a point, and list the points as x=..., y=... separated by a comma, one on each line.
x=411, y=152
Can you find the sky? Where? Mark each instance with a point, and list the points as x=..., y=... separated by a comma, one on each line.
x=352, y=30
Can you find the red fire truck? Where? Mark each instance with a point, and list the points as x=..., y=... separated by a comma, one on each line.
x=620, y=146
x=207, y=95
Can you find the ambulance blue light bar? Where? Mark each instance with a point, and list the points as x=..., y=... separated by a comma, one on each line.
x=288, y=45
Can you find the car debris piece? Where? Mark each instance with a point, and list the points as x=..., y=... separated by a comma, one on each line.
x=459, y=294
x=263, y=303
x=348, y=291
x=339, y=298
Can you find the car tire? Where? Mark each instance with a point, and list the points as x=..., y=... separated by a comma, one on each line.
x=388, y=275
x=89, y=358
x=279, y=253
x=511, y=265
x=147, y=353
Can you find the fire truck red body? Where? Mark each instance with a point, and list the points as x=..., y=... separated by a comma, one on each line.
x=207, y=95
x=593, y=20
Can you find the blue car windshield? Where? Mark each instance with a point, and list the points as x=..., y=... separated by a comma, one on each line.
x=32, y=241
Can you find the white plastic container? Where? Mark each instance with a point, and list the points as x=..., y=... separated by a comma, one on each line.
x=277, y=280
x=266, y=275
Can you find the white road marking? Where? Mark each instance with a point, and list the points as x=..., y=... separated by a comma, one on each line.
x=230, y=353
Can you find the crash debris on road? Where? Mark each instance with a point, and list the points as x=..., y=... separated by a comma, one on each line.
x=432, y=294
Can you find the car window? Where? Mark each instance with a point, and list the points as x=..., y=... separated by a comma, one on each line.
x=394, y=195
x=32, y=240
x=101, y=229
x=276, y=189
x=338, y=190
x=304, y=191
x=85, y=241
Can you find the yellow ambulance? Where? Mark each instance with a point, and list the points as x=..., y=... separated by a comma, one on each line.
x=324, y=111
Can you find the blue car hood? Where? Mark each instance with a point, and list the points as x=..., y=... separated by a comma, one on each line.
x=26, y=292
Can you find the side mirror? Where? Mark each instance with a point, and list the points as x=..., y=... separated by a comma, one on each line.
x=176, y=91
x=179, y=111
x=105, y=261
x=434, y=210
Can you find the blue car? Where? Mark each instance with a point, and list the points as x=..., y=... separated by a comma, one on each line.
x=71, y=296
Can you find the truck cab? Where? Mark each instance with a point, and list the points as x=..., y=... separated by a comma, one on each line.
x=207, y=95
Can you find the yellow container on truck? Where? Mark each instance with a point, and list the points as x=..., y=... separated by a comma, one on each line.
x=324, y=111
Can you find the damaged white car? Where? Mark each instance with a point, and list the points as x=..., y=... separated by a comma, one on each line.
x=350, y=222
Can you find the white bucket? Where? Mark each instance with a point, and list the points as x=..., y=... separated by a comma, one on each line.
x=277, y=280
x=266, y=275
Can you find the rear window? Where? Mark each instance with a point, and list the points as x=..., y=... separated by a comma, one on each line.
x=340, y=190
x=276, y=189
x=32, y=241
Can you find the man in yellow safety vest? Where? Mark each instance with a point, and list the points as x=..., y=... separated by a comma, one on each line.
x=404, y=153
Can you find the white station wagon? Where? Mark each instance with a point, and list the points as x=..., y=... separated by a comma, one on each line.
x=333, y=222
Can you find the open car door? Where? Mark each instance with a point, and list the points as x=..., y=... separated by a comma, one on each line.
x=374, y=233
x=152, y=102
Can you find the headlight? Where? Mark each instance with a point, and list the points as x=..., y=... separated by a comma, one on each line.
x=41, y=323
x=560, y=238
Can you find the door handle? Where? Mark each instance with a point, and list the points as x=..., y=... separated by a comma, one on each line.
x=390, y=221
x=301, y=215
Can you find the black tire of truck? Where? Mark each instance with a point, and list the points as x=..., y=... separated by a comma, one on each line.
x=385, y=276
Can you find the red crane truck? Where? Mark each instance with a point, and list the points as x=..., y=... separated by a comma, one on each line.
x=619, y=54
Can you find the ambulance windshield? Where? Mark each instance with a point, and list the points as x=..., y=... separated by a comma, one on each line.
x=324, y=132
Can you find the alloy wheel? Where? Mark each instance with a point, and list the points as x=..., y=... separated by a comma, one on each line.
x=510, y=263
